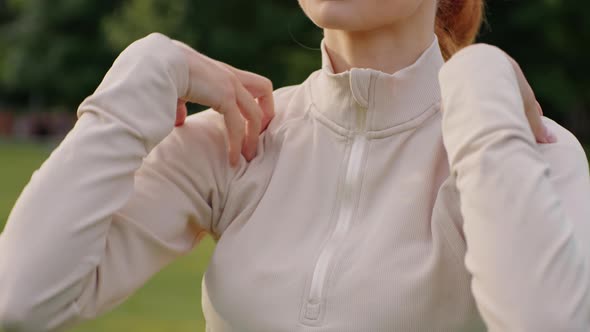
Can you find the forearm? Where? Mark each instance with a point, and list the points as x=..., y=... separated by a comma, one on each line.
x=61, y=219
x=529, y=269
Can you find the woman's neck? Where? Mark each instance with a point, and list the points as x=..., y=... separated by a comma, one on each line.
x=387, y=49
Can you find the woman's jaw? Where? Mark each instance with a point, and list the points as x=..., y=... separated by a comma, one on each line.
x=385, y=35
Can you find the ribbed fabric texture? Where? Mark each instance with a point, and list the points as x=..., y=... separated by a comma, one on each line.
x=366, y=208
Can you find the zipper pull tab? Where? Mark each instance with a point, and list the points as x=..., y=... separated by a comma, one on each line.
x=312, y=311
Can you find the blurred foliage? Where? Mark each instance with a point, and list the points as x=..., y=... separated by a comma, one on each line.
x=56, y=51
x=551, y=41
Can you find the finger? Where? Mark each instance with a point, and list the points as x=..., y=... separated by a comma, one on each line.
x=267, y=105
x=181, y=113
x=260, y=88
x=536, y=123
x=549, y=136
x=533, y=110
x=235, y=130
x=253, y=115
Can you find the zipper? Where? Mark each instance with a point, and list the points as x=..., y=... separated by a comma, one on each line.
x=347, y=209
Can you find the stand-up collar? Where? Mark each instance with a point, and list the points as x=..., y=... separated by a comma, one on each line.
x=390, y=100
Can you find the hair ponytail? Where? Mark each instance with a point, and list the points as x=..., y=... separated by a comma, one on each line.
x=457, y=24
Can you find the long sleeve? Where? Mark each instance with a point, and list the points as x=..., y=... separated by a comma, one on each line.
x=105, y=212
x=526, y=207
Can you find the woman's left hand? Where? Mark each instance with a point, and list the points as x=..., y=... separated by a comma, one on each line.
x=532, y=108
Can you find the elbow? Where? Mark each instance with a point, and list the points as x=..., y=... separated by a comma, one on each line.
x=17, y=314
x=14, y=315
x=25, y=307
x=23, y=311
x=12, y=320
x=25, y=320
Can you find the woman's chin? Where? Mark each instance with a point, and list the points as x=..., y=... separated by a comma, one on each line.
x=335, y=15
x=358, y=15
x=334, y=22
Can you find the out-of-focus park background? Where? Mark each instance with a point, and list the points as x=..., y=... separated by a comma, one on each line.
x=53, y=53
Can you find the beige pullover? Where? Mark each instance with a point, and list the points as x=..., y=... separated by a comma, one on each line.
x=366, y=208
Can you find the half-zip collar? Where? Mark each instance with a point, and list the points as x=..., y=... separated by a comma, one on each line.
x=390, y=99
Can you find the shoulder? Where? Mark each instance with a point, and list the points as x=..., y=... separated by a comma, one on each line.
x=285, y=94
x=209, y=126
x=193, y=151
x=566, y=157
x=204, y=133
x=565, y=140
x=570, y=178
x=291, y=103
x=474, y=61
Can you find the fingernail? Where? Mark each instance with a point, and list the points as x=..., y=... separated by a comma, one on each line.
x=549, y=136
x=233, y=161
x=246, y=153
x=252, y=155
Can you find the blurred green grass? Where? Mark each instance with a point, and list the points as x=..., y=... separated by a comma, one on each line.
x=171, y=301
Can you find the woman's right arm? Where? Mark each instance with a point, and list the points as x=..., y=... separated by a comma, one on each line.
x=97, y=219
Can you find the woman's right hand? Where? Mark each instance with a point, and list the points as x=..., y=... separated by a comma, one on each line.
x=244, y=99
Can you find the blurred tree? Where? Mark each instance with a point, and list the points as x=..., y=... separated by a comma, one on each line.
x=54, y=53
x=258, y=36
x=551, y=41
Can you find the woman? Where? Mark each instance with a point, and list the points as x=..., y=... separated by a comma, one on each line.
x=411, y=196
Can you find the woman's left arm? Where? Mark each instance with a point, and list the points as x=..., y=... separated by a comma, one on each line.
x=526, y=207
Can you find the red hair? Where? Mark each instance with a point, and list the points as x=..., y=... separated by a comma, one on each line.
x=457, y=24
